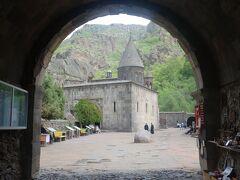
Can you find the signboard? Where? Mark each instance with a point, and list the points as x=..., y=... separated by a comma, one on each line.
x=13, y=107
x=199, y=115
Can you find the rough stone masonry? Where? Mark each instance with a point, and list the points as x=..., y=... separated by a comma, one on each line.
x=127, y=103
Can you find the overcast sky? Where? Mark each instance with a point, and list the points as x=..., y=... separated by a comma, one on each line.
x=120, y=19
x=116, y=19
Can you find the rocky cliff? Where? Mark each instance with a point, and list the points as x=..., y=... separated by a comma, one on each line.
x=94, y=49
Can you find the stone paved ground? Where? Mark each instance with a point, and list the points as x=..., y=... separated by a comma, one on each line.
x=171, y=155
x=59, y=174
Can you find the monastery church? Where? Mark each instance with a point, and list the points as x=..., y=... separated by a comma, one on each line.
x=127, y=102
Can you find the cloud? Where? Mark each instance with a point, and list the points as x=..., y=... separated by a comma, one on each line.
x=119, y=19
x=115, y=19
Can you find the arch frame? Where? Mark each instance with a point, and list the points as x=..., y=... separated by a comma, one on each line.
x=192, y=43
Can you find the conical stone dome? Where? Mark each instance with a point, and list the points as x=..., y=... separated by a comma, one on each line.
x=130, y=56
x=131, y=66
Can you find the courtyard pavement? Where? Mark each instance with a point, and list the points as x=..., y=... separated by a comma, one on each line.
x=170, y=151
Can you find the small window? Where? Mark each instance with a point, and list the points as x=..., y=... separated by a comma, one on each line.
x=114, y=106
x=152, y=110
x=13, y=107
x=137, y=106
x=146, y=107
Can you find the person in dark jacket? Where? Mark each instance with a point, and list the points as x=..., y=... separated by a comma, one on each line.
x=44, y=131
x=152, y=129
x=146, y=127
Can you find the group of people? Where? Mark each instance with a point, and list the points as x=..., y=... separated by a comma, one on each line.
x=181, y=125
x=192, y=127
x=151, y=128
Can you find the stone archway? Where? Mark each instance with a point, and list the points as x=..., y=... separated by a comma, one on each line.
x=31, y=32
x=189, y=40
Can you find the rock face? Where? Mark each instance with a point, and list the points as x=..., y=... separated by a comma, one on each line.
x=94, y=49
x=143, y=136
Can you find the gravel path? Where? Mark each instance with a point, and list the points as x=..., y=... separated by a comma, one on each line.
x=60, y=174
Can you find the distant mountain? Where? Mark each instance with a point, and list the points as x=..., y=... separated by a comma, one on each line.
x=94, y=49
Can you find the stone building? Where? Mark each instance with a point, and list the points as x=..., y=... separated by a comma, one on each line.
x=127, y=102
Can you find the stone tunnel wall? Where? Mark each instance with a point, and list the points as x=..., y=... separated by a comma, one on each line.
x=230, y=125
x=10, y=155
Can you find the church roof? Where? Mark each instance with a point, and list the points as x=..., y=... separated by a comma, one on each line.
x=130, y=56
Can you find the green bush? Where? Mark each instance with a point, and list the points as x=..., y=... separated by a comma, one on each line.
x=53, y=99
x=87, y=112
x=174, y=83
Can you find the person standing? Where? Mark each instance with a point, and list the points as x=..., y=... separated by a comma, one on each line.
x=194, y=126
x=178, y=125
x=152, y=129
x=146, y=127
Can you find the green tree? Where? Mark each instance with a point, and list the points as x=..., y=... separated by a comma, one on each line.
x=87, y=112
x=174, y=83
x=53, y=99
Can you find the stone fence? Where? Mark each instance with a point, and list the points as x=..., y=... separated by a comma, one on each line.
x=58, y=124
x=170, y=118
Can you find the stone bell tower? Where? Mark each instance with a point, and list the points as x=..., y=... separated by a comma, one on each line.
x=131, y=66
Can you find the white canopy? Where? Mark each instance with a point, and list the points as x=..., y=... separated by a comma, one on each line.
x=77, y=128
x=51, y=129
x=70, y=128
